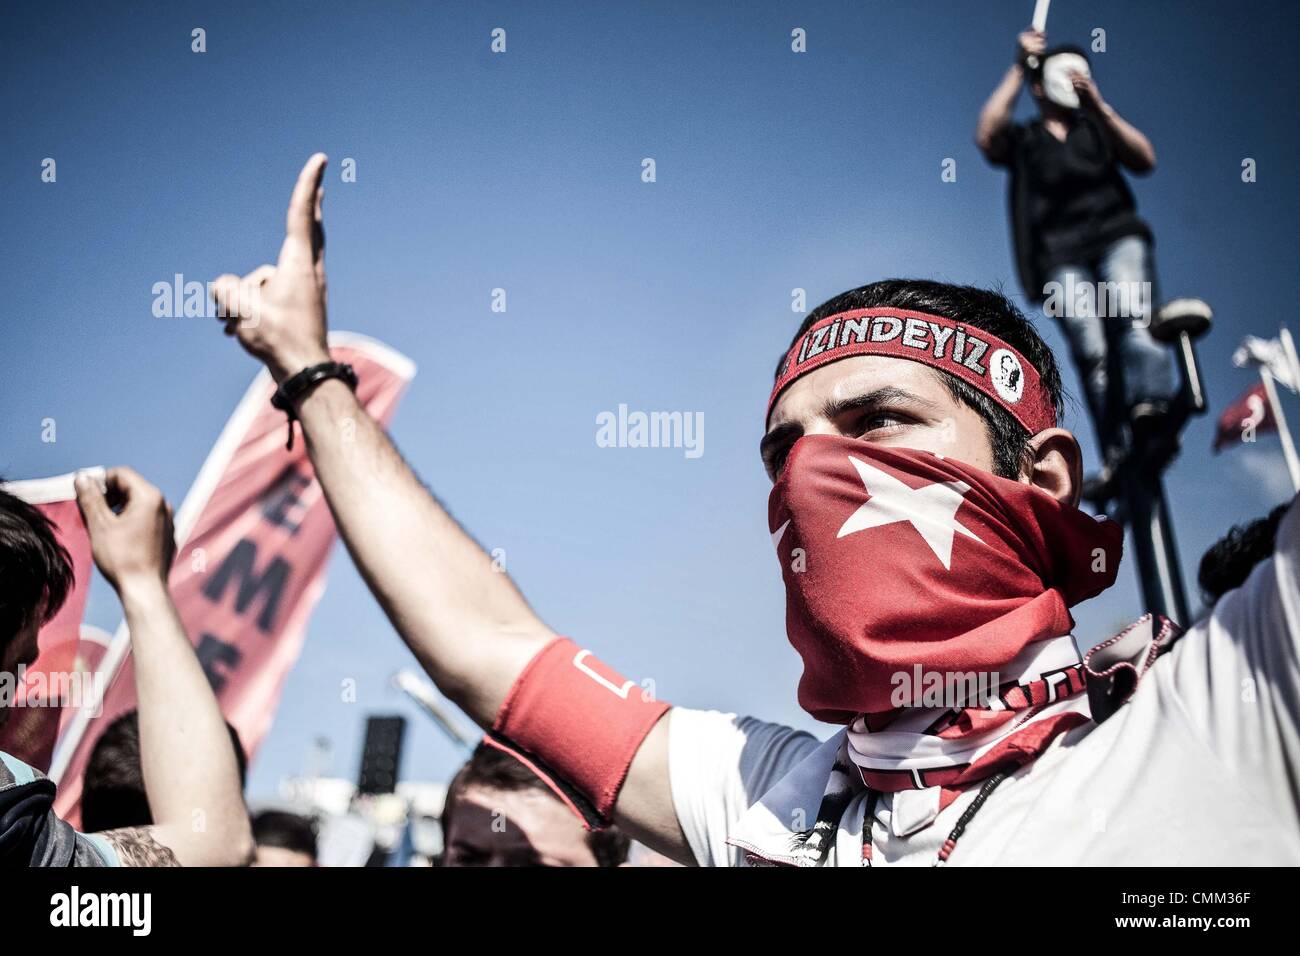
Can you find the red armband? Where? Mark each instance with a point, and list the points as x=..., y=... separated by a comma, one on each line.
x=577, y=724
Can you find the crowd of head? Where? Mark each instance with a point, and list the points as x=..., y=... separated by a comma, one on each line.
x=496, y=812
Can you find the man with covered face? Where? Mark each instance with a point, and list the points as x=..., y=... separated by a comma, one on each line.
x=924, y=513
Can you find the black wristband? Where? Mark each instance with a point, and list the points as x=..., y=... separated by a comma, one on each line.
x=295, y=386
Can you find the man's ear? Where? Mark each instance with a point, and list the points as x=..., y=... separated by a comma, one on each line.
x=1055, y=464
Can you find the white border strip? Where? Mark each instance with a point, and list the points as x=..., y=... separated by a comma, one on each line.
x=44, y=491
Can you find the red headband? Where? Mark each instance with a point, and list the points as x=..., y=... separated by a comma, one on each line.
x=977, y=358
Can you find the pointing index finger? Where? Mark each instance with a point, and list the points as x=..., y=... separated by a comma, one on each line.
x=301, y=218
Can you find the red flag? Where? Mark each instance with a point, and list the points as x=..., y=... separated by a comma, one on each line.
x=1249, y=413
x=893, y=557
x=255, y=533
x=60, y=679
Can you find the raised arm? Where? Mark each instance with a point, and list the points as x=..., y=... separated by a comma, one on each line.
x=995, y=117
x=190, y=774
x=463, y=618
x=469, y=626
x=467, y=623
x=1132, y=148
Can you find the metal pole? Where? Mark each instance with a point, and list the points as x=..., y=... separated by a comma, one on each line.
x=1288, y=446
x=1159, y=572
x=1292, y=358
x=429, y=700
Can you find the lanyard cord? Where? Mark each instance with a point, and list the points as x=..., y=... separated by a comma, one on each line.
x=950, y=844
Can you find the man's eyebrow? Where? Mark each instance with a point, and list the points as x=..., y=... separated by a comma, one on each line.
x=888, y=395
x=778, y=436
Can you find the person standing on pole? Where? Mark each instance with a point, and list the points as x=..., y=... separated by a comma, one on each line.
x=1081, y=248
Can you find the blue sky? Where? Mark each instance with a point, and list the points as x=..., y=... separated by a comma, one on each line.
x=522, y=171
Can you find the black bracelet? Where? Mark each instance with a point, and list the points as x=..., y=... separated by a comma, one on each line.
x=295, y=386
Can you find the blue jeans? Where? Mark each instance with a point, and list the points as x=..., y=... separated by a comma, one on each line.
x=1105, y=309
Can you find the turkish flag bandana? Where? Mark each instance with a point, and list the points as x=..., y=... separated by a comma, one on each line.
x=930, y=602
x=895, y=557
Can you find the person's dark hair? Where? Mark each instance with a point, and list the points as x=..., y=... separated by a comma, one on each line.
x=1036, y=73
x=113, y=793
x=287, y=831
x=1229, y=561
x=494, y=769
x=35, y=569
x=982, y=309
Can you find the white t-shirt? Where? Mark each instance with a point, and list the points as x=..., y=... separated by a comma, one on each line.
x=1200, y=767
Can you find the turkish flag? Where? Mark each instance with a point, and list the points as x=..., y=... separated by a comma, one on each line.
x=52, y=687
x=1248, y=414
x=893, y=557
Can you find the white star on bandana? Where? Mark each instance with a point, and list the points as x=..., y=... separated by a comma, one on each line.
x=932, y=510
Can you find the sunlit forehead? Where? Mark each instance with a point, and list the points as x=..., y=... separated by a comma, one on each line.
x=807, y=399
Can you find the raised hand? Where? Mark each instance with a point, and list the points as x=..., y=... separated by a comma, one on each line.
x=136, y=541
x=1085, y=87
x=1031, y=43
x=186, y=756
x=278, y=312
